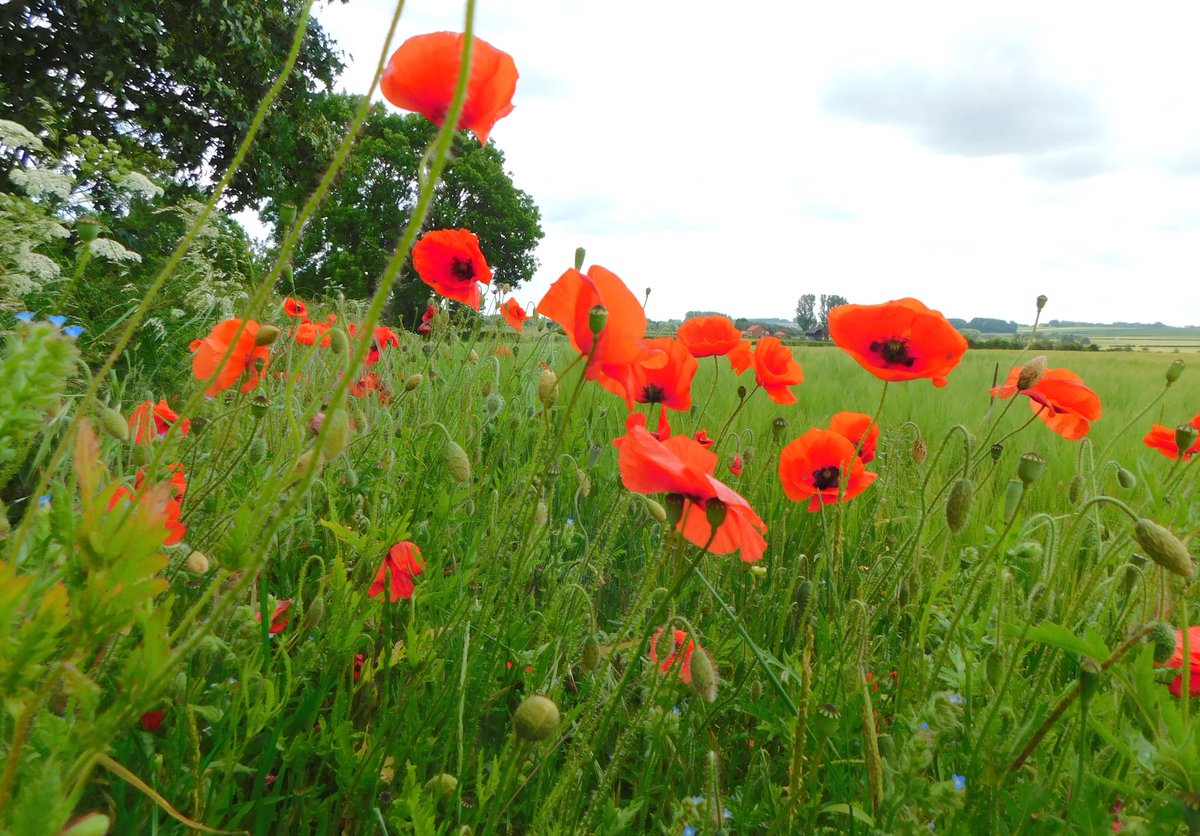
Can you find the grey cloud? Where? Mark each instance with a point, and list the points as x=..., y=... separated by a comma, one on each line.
x=995, y=97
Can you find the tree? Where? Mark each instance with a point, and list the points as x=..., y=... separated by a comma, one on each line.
x=806, y=316
x=347, y=244
x=174, y=83
x=828, y=303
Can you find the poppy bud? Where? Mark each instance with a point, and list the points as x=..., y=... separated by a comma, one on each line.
x=664, y=643
x=337, y=435
x=114, y=424
x=748, y=454
x=287, y=213
x=493, y=404
x=802, y=596
x=1126, y=479
x=778, y=427
x=1163, y=638
x=540, y=514
x=259, y=406
x=536, y=718
x=704, y=675
x=443, y=786
x=197, y=563
x=305, y=462
x=1041, y=302
x=1089, y=680
x=656, y=510
x=1038, y=602
x=580, y=254
x=266, y=335
x=1012, y=498
x=427, y=349
x=473, y=356
x=457, y=463
x=997, y=451
x=756, y=690
x=288, y=272
x=90, y=824
x=597, y=319
x=1031, y=373
x=583, y=482
x=1075, y=489
x=741, y=393
x=714, y=512
x=339, y=343
x=313, y=613
x=827, y=720
x=412, y=382
x=88, y=228
x=758, y=570
x=1174, y=371
x=993, y=668
x=1185, y=437
x=958, y=505
x=589, y=658
x=919, y=451
x=1030, y=468
x=594, y=453
x=547, y=388
x=1163, y=547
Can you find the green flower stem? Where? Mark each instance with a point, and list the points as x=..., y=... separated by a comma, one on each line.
x=84, y=257
x=734, y=414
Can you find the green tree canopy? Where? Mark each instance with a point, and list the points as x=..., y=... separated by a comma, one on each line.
x=346, y=245
x=806, y=316
x=174, y=83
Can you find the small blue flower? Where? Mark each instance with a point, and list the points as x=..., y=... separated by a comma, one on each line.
x=44, y=500
x=675, y=709
x=697, y=800
x=25, y=316
x=931, y=826
x=957, y=699
x=960, y=782
x=570, y=521
x=924, y=727
x=728, y=814
x=57, y=321
x=689, y=831
x=73, y=331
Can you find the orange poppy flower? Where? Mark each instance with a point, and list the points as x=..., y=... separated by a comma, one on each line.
x=853, y=425
x=279, y=618
x=775, y=369
x=899, y=340
x=169, y=501
x=450, y=261
x=1162, y=439
x=1059, y=398
x=402, y=563
x=423, y=72
x=685, y=662
x=813, y=466
x=150, y=421
x=309, y=332
x=681, y=466
x=619, y=347
x=514, y=314
x=245, y=357
x=669, y=385
x=295, y=308
x=708, y=336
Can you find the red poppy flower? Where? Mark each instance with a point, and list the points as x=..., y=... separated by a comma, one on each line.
x=703, y=440
x=309, y=333
x=151, y=720
x=450, y=261
x=368, y=383
x=680, y=465
x=735, y=466
x=386, y=338
x=503, y=351
x=1162, y=439
x=279, y=618
x=685, y=663
x=898, y=340
x=245, y=357
x=514, y=314
x=853, y=425
x=150, y=421
x=165, y=499
x=399, y=566
x=708, y=336
x=619, y=346
x=669, y=386
x=812, y=467
x=359, y=660
x=1176, y=661
x=775, y=369
x=423, y=72
x=1059, y=398
x=426, y=318
x=295, y=308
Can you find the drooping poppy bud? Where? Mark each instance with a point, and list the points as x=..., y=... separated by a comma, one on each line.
x=266, y=335
x=457, y=463
x=704, y=675
x=1126, y=479
x=114, y=424
x=958, y=505
x=1012, y=498
x=1164, y=548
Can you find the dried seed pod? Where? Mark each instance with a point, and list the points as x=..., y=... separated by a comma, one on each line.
x=919, y=451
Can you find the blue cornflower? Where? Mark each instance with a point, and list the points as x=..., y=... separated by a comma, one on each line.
x=924, y=727
x=25, y=316
x=688, y=830
x=675, y=709
x=960, y=782
x=44, y=499
x=697, y=800
x=728, y=814
x=73, y=331
x=57, y=321
x=957, y=699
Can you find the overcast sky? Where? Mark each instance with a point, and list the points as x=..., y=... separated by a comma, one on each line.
x=733, y=156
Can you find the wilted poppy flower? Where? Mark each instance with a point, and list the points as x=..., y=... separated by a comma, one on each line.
x=244, y=358
x=899, y=340
x=295, y=308
x=1059, y=398
x=681, y=466
x=399, y=566
x=813, y=467
x=450, y=261
x=775, y=370
x=709, y=336
x=514, y=314
x=150, y=421
x=1162, y=439
x=735, y=466
x=619, y=346
x=853, y=425
x=703, y=439
x=423, y=72
x=279, y=618
x=685, y=662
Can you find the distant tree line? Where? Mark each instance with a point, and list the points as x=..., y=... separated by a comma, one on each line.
x=812, y=312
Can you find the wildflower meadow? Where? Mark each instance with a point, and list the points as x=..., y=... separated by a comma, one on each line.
x=527, y=565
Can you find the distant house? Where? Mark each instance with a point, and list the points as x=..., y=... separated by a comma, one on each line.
x=780, y=334
x=819, y=334
x=756, y=331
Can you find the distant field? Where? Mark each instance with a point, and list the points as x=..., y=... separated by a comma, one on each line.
x=1142, y=338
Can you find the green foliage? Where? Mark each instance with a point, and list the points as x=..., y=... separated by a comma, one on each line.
x=806, y=315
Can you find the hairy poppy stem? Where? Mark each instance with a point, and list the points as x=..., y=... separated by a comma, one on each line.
x=736, y=410
x=66, y=295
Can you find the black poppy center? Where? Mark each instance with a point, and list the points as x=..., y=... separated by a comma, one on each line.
x=894, y=351
x=825, y=478
x=653, y=393
x=462, y=268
